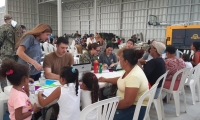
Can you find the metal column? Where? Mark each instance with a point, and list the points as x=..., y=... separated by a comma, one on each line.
x=95, y=16
x=59, y=8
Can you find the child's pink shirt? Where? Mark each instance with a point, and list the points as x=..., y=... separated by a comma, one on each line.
x=18, y=99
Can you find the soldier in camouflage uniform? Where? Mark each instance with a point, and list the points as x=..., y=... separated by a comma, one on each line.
x=91, y=55
x=7, y=42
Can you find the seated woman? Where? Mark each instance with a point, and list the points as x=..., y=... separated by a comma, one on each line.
x=91, y=55
x=155, y=67
x=196, y=48
x=186, y=59
x=173, y=64
x=108, y=59
x=131, y=86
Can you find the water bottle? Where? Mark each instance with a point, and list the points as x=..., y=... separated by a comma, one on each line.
x=100, y=68
x=42, y=79
x=31, y=88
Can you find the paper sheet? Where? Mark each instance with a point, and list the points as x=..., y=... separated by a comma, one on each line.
x=48, y=91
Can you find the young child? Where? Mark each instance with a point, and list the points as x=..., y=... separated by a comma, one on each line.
x=19, y=106
x=89, y=93
x=186, y=58
x=68, y=95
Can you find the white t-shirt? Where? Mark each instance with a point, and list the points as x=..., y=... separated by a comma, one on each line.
x=188, y=65
x=69, y=103
x=89, y=41
x=86, y=100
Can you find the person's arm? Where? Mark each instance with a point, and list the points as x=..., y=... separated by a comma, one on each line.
x=114, y=60
x=47, y=69
x=53, y=96
x=129, y=96
x=109, y=80
x=23, y=56
x=49, y=75
x=21, y=116
x=71, y=62
x=196, y=59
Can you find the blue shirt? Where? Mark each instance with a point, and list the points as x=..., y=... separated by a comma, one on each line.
x=33, y=50
x=104, y=59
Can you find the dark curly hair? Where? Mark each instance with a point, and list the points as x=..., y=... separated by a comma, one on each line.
x=19, y=71
x=70, y=76
x=91, y=81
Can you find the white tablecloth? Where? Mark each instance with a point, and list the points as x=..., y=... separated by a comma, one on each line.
x=34, y=97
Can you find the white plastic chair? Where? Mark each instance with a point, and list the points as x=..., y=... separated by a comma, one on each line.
x=150, y=94
x=74, y=51
x=105, y=109
x=193, y=81
x=158, y=101
x=185, y=72
x=3, y=100
x=76, y=60
x=73, y=43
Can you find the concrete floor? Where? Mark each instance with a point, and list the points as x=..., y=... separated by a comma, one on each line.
x=193, y=111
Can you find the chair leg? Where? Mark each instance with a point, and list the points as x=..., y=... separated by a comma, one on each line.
x=185, y=104
x=192, y=88
x=198, y=90
x=177, y=102
x=162, y=108
x=168, y=97
x=158, y=108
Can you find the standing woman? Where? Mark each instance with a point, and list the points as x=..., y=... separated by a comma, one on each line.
x=196, y=48
x=102, y=42
x=29, y=50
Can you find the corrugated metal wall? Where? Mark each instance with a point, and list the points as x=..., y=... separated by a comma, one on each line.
x=48, y=15
x=2, y=13
x=24, y=12
x=128, y=17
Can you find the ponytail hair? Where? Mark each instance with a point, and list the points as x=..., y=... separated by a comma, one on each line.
x=91, y=81
x=132, y=56
x=14, y=71
x=70, y=74
x=93, y=45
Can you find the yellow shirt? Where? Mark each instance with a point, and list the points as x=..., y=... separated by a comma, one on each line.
x=135, y=79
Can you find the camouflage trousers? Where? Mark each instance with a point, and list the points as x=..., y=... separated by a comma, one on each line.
x=3, y=81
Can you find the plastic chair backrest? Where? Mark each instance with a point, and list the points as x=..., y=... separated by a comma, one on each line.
x=105, y=109
x=73, y=43
x=185, y=72
x=150, y=94
x=46, y=48
x=163, y=78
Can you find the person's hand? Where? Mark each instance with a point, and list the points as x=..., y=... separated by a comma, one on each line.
x=142, y=62
x=102, y=79
x=112, y=65
x=105, y=66
x=35, y=108
x=37, y=66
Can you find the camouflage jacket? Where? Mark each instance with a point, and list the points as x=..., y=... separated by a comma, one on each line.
x=87, y=58
x=7, y=39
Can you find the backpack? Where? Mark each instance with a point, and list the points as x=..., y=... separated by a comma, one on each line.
x=18, y=34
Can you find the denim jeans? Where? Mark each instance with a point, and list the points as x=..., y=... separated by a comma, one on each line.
x=128, y=113
x=157, y=92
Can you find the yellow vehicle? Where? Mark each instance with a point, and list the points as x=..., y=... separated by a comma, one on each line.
x=182, y=36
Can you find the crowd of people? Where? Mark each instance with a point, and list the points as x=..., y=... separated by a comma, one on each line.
x=141, y=71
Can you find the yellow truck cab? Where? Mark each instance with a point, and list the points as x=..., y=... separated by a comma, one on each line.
x=182, y=36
